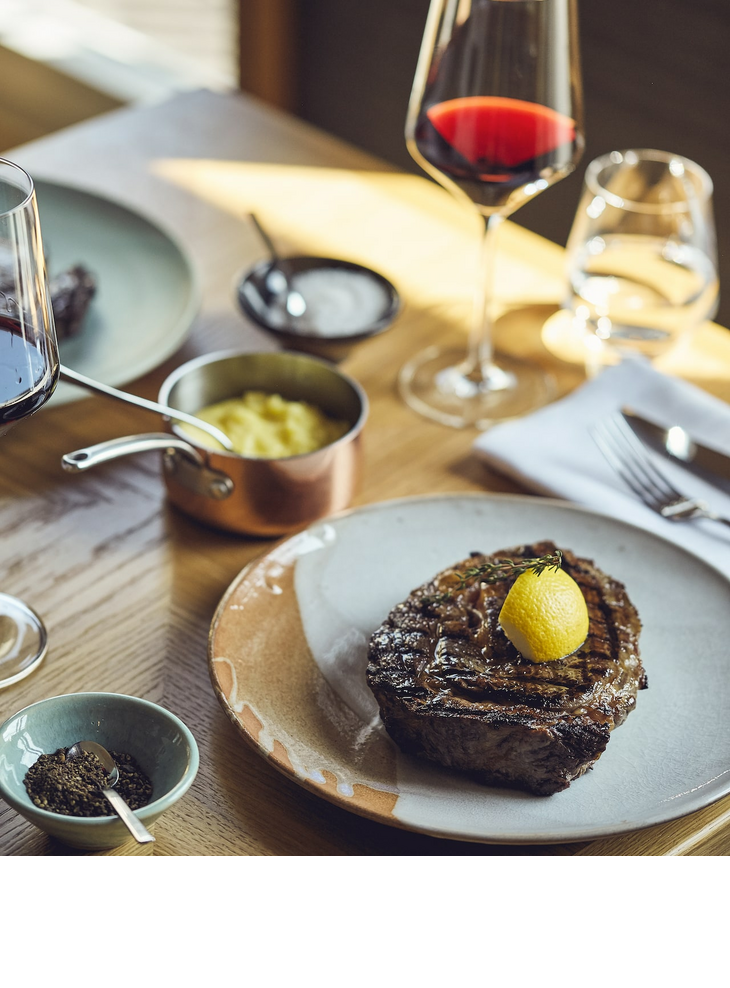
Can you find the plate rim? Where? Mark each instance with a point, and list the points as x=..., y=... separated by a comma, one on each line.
x=592, y=834
x=181, y=328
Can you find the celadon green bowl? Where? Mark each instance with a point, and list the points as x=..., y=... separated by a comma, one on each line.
x=162, y=745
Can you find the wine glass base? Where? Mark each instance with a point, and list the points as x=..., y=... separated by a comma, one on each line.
x=432, y=384
x=23, y=640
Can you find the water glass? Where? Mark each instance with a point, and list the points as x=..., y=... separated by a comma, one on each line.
x=642, y=254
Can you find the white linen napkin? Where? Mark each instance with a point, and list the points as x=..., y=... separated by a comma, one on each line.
x=552, y=452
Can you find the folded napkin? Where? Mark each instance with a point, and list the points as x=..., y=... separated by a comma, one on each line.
x=551, y=451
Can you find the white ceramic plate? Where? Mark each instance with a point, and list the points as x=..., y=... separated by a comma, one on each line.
x=147, y=293
x=288, y=653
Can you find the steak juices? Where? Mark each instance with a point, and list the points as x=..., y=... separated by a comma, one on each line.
x=454, y=690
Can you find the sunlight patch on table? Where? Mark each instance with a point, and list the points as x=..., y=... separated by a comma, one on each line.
x=407, y=227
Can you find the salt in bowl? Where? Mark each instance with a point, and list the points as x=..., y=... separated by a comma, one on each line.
x=345, y=304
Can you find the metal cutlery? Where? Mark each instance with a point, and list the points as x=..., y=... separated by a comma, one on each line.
x=136, y=828
x=279, y=277
x=631, y=461
x=73, y=377
x=678, y=445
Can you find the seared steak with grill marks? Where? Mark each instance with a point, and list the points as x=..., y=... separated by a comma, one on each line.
x=453, y=689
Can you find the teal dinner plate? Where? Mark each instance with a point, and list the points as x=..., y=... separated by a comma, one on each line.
x=147, y=290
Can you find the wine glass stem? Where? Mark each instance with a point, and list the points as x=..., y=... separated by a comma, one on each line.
x=479, y=366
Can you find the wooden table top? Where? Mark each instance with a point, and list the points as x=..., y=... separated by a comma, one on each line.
x=126, y=584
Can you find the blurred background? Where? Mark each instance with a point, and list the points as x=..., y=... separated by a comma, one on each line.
x=654, y=75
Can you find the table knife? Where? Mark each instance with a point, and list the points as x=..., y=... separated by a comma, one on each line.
x=676, y=444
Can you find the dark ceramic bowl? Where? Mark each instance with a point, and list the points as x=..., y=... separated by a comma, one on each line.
x=262, y=305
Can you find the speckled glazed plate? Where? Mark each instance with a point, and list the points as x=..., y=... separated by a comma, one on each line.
x=147, y=291
x=287, y=656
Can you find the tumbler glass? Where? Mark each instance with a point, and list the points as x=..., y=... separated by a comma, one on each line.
x=642, y=255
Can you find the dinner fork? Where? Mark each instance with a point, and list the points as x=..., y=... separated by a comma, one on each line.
x=630, y=459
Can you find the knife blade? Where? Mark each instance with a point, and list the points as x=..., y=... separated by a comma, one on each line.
x=676, y=444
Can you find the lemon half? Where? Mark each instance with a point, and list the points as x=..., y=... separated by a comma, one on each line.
x=545, y=616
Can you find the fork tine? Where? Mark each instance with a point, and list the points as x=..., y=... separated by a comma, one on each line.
x=653, y=473
x=626, y=454
x=608, y=445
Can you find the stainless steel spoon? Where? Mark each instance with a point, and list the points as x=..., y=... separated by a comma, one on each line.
x=137, y=829
x=73, y=377
x=293, y=301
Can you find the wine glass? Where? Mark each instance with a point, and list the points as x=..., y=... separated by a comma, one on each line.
x=495, y=116
x=641, y=255
x=29, y=371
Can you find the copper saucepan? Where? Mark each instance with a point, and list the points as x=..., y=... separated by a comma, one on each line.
x=242, y=494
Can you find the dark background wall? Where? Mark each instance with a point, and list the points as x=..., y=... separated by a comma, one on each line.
x=655, y=75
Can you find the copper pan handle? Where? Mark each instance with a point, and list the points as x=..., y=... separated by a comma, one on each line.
x=114, y=449
x=190, y=468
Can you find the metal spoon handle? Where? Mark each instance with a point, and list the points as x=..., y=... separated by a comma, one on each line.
x=136, y=828
x=266, y=238
x=73, y=377
x=294, y=302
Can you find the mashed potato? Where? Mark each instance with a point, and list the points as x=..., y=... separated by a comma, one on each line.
x=268, y=426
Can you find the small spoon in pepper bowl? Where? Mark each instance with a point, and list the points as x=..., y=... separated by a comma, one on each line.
x=137, y=829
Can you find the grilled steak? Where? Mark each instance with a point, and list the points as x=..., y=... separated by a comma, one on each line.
x=453, y=689
x=71, y=295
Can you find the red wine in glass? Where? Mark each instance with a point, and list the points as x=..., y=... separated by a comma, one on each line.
x=25, y=380
x=495, y=117
x=491, y=145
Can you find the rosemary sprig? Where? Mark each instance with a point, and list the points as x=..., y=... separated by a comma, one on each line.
x=500, y=569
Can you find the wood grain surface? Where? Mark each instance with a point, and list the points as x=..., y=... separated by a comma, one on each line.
x=126, y=584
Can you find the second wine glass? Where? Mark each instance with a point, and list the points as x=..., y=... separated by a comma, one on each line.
x=29, y=371
x=495, y=116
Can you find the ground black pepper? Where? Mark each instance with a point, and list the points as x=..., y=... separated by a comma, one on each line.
x=72, y=786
